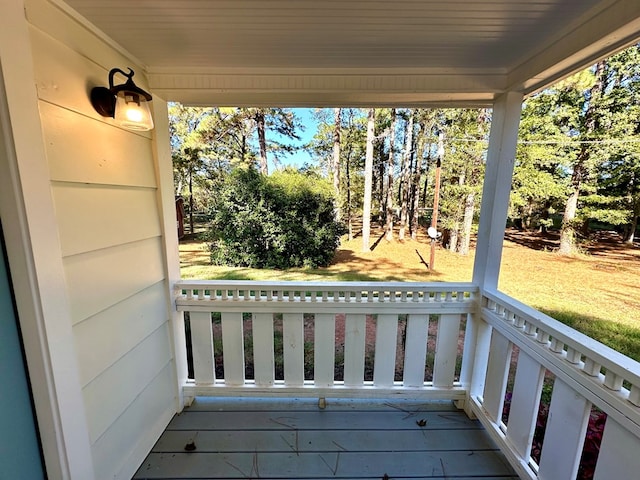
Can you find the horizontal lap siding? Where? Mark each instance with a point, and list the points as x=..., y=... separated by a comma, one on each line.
x=148, y=413
x=104, y=188
x=96, y=217
x=99, y=339
x=107, y=396
x=99, y=280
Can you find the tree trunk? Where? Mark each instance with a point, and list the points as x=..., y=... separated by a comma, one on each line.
x=348, y=180
x=262, y=141
x=243, y=148
x=368, y=181
x=381, y=178
x=391, y=162
x=568, y=230
x=630, y=236
x=467, y=223
x=415, y=188
x=349, y=220
x=545, y=217
x=579, y=175
x=635, y=213
x=336, y=158
x=453, y=239
x=405, y=188
x=191, y=201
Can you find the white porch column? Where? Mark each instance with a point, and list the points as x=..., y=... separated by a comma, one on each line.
x=166, y=199
x=493, y=218
x=496, y=189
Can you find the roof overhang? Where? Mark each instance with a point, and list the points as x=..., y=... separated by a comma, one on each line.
x=358, y=53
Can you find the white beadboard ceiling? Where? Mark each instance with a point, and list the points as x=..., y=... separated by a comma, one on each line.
x=359, y=52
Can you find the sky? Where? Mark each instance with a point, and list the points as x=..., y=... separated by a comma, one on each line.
x=299, y=158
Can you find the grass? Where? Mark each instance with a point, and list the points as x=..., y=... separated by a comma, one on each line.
x=598, y=293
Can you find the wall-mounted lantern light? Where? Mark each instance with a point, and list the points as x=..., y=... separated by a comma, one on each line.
x=128, y=104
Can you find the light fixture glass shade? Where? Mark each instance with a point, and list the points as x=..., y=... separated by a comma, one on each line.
x=132, y=111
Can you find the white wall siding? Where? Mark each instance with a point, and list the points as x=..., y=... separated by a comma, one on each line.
x=104, y=338
x=98, y=280
x=101, y=164
x=92, y=217
x=127, y=439
x=108, y=395
x=105, y=194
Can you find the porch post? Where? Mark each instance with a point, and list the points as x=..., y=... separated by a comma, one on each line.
x=493, y=217
x=166, y=199
x=496, y=189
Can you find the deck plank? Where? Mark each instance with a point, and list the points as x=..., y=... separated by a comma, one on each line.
x=325, y=441
x=323, y=465
x=294, y=439
x=356, y=420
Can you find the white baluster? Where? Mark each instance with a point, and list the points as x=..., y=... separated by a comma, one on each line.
x=524, y=404
x=564, y=434
x=354, y=344
x=233, y=348
x=618, y=457
x=293, y=346
x=634, y=395
x=497, y=371
x=324, y=349
x=202, y=344
x=263, y=355
x=385, y=358
x=444, y=367
x=613, y=381
x=415, y=352
x=573, y=356
x=591, y=367
x=556, y=346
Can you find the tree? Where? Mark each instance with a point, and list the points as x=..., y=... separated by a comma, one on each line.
x=584, y=121
x=391, y=165
x=337, y=128
x=281, y=121
x=368, y=180
x=540, y=174
x=405, y=173
x=466, y=132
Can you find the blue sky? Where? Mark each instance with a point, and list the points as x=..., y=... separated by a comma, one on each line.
x=301, y=157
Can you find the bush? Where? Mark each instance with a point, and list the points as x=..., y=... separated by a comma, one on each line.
x=281, y=221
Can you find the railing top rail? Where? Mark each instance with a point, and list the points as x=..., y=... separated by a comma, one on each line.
x=605, y=356
x=325, y=286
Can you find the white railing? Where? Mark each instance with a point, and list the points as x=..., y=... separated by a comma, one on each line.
x=306, y=316
x=583, y=374
x=510, y=351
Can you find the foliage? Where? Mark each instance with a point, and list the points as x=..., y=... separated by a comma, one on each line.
x=578, y=154
x=466, y=132
x=540, y=176
x=281, y=221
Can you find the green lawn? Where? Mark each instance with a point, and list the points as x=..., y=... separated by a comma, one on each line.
x=597, y=293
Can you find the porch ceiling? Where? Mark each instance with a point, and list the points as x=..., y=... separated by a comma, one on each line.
x=357, y=52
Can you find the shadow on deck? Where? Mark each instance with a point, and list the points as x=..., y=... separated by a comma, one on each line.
x=349, y=439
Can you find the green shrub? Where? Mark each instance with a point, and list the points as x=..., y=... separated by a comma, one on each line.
x=281, y=221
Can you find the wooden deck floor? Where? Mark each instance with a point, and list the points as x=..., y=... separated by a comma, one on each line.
x=350, y=439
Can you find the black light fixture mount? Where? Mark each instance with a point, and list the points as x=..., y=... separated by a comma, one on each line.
x=126, y=103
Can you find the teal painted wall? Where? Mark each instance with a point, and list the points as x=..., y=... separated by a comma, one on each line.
x=19, y=449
